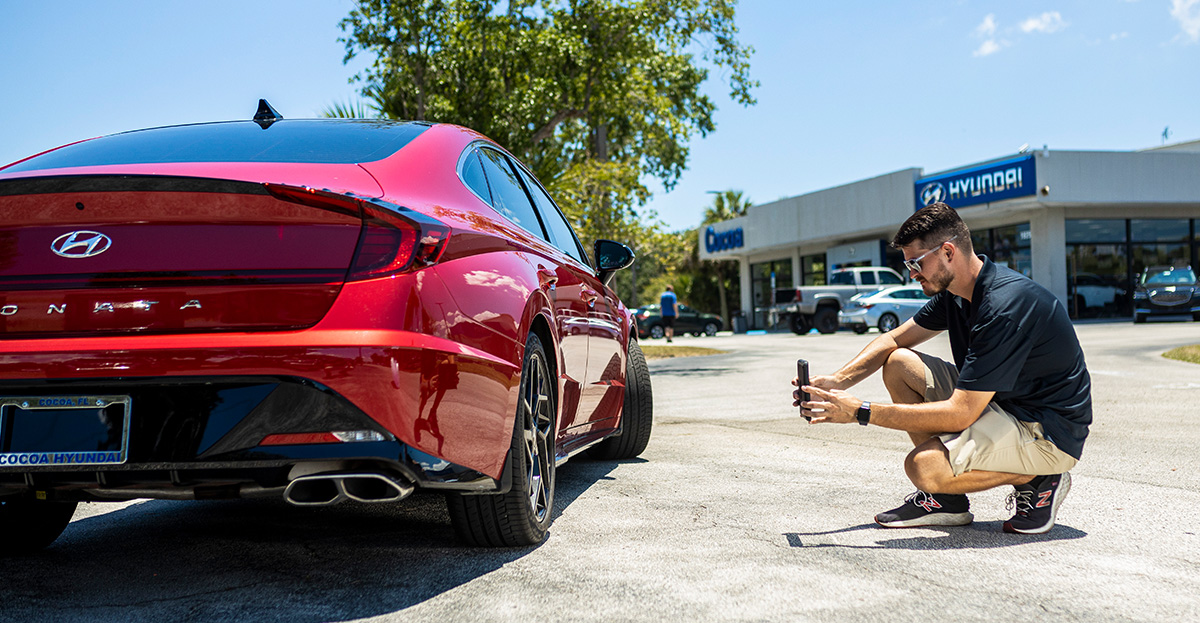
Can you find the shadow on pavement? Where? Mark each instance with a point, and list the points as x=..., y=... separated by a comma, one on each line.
x=979, y=535
x=260, y=560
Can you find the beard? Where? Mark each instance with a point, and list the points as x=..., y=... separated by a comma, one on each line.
x=937, y=282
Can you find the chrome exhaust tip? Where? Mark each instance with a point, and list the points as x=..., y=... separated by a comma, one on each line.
x=327, y=489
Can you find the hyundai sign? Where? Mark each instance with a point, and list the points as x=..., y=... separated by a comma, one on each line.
x=723, y=241
x=993, y=182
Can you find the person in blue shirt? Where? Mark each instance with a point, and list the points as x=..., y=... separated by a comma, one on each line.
x=669, y=311
x=1014, y=406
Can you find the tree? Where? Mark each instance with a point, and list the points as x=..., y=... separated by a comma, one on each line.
x=595, y=96
x=726, y=205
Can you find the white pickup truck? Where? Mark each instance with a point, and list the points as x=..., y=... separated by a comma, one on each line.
x=807, y=307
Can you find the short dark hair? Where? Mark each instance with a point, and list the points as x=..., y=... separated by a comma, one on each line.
x=934, y=224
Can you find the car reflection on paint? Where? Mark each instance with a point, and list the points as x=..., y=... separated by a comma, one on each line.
x=884, y=310
x=317, y=310
x=650, y=324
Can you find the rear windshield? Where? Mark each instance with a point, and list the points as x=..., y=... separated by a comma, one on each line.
x=324, y=141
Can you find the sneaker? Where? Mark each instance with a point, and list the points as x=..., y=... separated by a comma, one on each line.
x=1037, y=503
x=928, y=509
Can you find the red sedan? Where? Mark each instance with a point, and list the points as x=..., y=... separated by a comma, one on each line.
x=315, y=309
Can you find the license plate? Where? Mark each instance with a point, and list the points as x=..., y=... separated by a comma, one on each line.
x=63, y=430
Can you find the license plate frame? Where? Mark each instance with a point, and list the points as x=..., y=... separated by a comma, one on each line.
x=81, y=426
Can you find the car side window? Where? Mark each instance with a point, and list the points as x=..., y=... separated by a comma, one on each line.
x=842, y=279
x=889, y=278
x=868, y=278
x=473, y=177
x=561, y=234
x=508, y=197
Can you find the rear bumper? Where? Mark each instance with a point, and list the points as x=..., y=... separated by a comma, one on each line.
x=201, y=402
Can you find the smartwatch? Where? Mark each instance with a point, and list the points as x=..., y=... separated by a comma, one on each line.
x=864, y=413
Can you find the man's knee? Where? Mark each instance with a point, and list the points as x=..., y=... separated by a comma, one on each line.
x=904, y=376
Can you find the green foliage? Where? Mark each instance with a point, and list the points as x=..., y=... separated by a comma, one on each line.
x=596, y=96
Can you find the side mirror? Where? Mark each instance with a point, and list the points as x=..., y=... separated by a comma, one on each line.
x=611, y=257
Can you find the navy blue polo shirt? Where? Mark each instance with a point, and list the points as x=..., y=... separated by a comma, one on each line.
x=1014, y=338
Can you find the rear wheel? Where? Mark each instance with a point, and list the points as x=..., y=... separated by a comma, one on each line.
x=29, y=525
x=637, y=417
x=521, y=516
x=710, y=329
x=888, y=322
x=860, y=329
x=826, y=320
x=799, y=324
x=657, y=332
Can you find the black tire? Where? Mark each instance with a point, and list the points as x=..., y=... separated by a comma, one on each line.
x=711, y=328
x=860, y=329
x=1196, y=317
x=826, y=320
x=637, y=416
x=1139, y=318
x=30, y=525
x=888, y=322
x=799, y=324
x=657, y=331
x=521, y=516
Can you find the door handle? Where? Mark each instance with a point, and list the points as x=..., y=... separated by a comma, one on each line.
x=589, y=296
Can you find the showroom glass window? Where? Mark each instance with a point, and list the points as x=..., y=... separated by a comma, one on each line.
x=1105, y=257
x=765, y=278
x=1007, y=246
x=813, y=267
x=1098, y=282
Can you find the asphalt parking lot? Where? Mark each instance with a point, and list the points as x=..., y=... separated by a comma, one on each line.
x=737, y=511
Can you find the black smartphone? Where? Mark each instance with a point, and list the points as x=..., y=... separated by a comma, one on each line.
x=802, y=374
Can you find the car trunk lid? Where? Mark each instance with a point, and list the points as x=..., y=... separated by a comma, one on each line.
x=87, y=255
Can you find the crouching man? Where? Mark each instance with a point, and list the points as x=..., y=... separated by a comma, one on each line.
x=1014, y=407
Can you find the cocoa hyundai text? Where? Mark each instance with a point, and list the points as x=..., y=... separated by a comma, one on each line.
x=317, y=310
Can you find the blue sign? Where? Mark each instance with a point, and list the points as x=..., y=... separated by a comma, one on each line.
x=723, y=241
x=993, y=182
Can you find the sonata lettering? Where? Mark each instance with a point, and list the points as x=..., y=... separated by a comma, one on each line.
x=100, y=306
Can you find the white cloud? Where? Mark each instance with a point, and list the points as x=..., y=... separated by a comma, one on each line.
x=1187, y=13
x=987, y=47
x=1118, y=35
x=988, y=27
x=1052, y=21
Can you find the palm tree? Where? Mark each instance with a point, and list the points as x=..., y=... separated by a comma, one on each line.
x=727, y=204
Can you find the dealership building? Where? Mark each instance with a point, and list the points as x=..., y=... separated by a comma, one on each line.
x=1083, y=224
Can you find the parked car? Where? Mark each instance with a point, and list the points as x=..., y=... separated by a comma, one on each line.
x=806, y=307
x=1163, y=290
x=1093, y=292
x=885, y=309
x=688, y=320
x=317, y=310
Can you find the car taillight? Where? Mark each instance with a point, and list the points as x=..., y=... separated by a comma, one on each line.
x=393, y=238
x=866, y=305
x=391, y=243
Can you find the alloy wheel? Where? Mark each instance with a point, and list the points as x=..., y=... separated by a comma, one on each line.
x=536, y=411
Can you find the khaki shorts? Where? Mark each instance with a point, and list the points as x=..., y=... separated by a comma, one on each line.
x=997, y=441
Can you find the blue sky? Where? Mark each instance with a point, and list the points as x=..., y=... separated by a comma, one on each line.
x=850, y=90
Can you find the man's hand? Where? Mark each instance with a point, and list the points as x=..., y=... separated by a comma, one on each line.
x=828, y=405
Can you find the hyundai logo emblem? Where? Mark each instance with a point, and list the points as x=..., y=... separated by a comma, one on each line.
x=933, y=193
x=79, y=244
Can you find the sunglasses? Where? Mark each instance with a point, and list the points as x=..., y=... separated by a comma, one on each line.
x=915, y=263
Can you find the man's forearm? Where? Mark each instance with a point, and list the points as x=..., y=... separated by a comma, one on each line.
x=865, y=363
